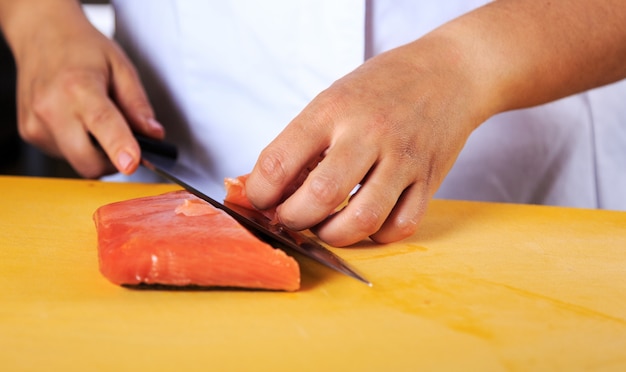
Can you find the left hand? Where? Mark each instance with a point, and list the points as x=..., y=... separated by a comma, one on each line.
x=394, y=126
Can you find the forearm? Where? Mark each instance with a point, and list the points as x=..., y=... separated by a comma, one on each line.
x=528, y=52
x=22, y=21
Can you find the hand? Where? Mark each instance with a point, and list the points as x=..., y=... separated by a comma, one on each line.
x=72, y=82
x=394, y=126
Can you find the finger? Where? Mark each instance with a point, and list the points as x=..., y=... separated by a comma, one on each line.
x=328, y=185
x=282, y=162
x=70, y=143
x=31, y=118
x=50, y=123
x=32, y=131
x=406, y=215
x=105, y=122
x=77, y=148
x=367, y=210
x=128, y=93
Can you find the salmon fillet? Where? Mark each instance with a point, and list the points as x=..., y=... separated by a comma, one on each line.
x=178, y=239
x=236, y=194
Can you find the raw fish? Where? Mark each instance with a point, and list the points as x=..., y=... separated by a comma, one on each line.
x=178, y=239
x=236, y=194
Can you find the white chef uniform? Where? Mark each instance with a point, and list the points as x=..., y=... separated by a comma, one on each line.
x=225, y=77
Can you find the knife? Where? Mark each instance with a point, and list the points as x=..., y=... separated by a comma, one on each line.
x=161, y=157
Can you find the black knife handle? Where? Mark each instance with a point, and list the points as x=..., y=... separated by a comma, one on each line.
x=158, y=147
x=146, y=144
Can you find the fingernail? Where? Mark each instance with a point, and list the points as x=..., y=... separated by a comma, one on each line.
x=124, y=160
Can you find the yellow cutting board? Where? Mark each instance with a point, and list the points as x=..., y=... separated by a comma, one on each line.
x=480, y=287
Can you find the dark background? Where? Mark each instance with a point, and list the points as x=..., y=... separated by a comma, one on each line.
x=17, y=157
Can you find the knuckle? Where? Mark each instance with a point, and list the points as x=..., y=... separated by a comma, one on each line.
x=42, y=104
x=272, y=167
x=325, y=190
x=30, y=132
x=365, y=220
x=290, y=220
x=74, y=84
x=404, y=227
x=326, y=108
x=100, y=117
x=84, y=158
x=332, y=101
x=91, y=172
x=91, y=169
x=395, y=230
x=39, y=103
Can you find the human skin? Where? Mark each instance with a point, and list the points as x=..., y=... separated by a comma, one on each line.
x=395, y=125
x=72, y=81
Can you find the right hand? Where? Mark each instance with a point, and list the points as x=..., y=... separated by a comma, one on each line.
x=73, y=81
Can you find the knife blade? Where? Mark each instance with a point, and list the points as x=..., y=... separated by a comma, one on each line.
x=161, y=157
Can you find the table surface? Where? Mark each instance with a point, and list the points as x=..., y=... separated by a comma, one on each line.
x=481, y=286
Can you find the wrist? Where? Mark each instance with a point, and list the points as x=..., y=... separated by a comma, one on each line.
x=460, y=72
x=518, y=54
x=481, y=65
x=23, y=22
